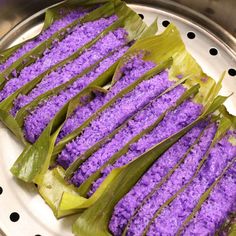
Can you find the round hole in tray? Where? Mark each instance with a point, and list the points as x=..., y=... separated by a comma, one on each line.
x=141, y=16
x=213, y=51
x=14, y=217
x=232, y=72
x=203, y=41
x=191, y=35
x=165, y=23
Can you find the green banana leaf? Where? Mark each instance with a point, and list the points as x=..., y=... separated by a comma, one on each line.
x=84, y=188
x=128, y=18
x=29, y=57
x=232, y=229
x=162, y=181
x=204, y=197
x=52, y=14
x=23, y=112
x=228, y=226
x=25, y=159
x=169, y=44
x=28, y=156
x=61, y=213
x=166, y=44
x=54, y=180
x=122, y=93
x=207, y=83
x=75, y=165
x=34, y=157
x=5, y=54
x=223, y=127
x=95, y=219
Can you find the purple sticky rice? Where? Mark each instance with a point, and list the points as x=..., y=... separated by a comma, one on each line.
x=40, y=117
x=212, y=214
x=128, y=204
x=67, y=72
x=142, y=120
x=57, y=25
x=133, y=69
x=172, y=123
x=176, y=181
x=114, y=116
x=59, y=51
x=175, y=214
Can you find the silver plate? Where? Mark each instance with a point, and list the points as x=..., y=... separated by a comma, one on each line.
x=35, y=215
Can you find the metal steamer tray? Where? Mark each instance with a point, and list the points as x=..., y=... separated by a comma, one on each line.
x=23, y=211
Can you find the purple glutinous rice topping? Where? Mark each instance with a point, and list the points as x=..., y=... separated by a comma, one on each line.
x=175, y=214
x=172, y=123
x=128, y=204
x=132, y=70
x=41, y=116
x=142, y=120
x=80, y=35
x=67, y=72
x=215, y=210
x=176, y=181
x=57, y=25
x=114, y=116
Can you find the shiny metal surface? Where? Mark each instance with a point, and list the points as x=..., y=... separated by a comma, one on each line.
x=192, y=10
x=13, y=12
x=37, y=218
x=221, y=12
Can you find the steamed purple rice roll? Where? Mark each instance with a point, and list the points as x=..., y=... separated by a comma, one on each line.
x=173, y=122
x=212, y=214
x=175, y=182
x=59, y=51
x=126, y=207
x=57, y=25
x=132, y=70
x=175, y=214
x=114, y=116
x=139, y=122
x=40, y=117
x=73, y=68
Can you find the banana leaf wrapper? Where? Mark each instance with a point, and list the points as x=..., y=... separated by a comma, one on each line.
x=46, y=188
x=129, y=88
x=214, y=88
x=23, y=111
x=59, y=194
x=228, y=227
x=51, y=15
x=94, y=220
x=75, y=165
x=159, y=49
x=104, y=11
x=165, y=178
x=209, y=82
x=204, y=197
x=225, y=123
x=85, y=186
x=129, y=18
x=134, y=26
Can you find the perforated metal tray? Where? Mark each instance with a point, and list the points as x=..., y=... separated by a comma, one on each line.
x=214, y=53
